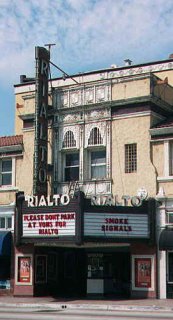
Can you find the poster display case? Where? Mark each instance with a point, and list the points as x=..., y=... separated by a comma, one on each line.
x=143, y=272
x=24, y=269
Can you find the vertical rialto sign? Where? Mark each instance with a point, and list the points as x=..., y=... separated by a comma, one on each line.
x=42, y=57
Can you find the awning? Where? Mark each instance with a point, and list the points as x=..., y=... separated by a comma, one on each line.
x=5, y=243
x=166, y=239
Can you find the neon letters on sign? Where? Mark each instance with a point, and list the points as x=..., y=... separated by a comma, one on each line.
x=109, y=200
x=42, y=201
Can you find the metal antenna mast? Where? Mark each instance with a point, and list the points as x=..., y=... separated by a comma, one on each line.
x=49, y=45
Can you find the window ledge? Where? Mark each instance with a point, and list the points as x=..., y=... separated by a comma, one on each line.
x=67, y=149
x=165, y=179
x=8, y=188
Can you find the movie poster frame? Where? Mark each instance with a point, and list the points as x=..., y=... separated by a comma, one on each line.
x=24, y=261
x=143, y=281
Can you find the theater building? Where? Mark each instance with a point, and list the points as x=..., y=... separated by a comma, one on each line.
x=72, y=247
x=92, y=137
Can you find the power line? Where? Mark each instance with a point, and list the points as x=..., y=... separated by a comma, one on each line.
x=65, y=74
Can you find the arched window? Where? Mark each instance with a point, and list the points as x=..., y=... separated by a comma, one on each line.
x=69, y=140
x=95, y=137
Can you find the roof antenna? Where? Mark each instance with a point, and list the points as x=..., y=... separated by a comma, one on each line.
x=49, y=45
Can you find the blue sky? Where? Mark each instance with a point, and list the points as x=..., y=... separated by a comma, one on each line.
x=89, y=35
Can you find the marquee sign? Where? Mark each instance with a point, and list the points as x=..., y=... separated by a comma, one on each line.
x=49, y=224
x=41, y=120
x=116, y=225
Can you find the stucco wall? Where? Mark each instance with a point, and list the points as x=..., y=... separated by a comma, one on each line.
x=23, y=106
x=158, y=157
x=126, y=131
x=131, y=89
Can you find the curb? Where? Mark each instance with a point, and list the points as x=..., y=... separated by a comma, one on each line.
x=58, y=306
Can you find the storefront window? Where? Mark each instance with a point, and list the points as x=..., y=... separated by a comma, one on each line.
x=95, y=266
x=170, y=266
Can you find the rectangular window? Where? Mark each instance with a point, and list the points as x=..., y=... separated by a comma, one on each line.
x=2, y=223
x=170, y=266
x=6, y=172
x=130, y=158
x=5, y=222
x=72, y=167
x=170, y=217
x=95, y=265
x=171, y=158
x=9, y=223
x=98, y=164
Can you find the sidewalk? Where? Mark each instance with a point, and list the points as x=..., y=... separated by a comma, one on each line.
x=60, y=303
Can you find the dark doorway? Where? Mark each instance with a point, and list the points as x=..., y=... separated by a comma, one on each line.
x=69, y=276
x=109, y=274
x=104, y=272
x=121, y=275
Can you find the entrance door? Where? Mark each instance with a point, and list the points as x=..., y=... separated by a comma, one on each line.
x=109, y=274
x=121, y=274
x=74, y=280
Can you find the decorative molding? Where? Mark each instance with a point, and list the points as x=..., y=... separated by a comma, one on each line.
x=72, y=117
x=104, y=75
x=82, y=96
x=137, y=70
x=63, y=131
x=108, y=150
x=102, y=128
x=97, y=114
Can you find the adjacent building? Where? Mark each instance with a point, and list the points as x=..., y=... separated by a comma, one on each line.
x=11, y=152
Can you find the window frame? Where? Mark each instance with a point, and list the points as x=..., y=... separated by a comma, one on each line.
x=74, y=166
x=6, y=217
x=168, y=213
x=130, y=157
x=13, y=174
x=170, y=158
x=90, y=151
x=3, y=173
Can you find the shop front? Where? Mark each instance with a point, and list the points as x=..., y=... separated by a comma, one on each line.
x=5, y=260
x=165, y=247
x=71, y=248
x=6, y=248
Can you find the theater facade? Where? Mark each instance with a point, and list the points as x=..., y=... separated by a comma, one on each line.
x=70, y=247
x=89, y=141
